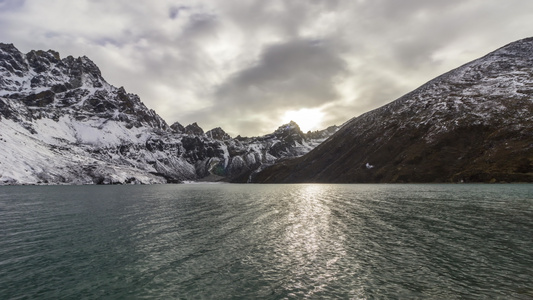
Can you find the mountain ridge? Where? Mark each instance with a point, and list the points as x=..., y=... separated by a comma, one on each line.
x=62, y=123
x=471, y=124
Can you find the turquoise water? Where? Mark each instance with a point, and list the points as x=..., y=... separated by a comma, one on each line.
x=267, y=242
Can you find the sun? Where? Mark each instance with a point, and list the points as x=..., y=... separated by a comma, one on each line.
x=306, y=118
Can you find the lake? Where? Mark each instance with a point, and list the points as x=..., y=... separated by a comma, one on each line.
x=302, y=241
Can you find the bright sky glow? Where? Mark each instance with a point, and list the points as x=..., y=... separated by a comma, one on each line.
x=307, y=119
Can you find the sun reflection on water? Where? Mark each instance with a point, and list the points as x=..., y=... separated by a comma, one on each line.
x=311, y=248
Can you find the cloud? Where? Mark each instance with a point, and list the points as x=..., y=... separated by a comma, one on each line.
x=293, y=74
x=242, y=65
x=288, y=76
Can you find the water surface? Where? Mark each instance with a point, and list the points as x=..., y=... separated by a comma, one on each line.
x=267, y=241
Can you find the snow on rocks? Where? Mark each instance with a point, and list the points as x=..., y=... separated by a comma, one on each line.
x=62, y=123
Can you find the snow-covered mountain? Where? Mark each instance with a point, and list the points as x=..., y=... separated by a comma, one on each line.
x=61, y=122
x=472, y=124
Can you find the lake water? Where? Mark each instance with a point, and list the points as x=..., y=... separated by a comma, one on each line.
x=224, y=241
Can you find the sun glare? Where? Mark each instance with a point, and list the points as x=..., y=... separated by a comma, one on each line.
x=307, y=119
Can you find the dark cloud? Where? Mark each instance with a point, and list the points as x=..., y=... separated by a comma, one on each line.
x=11, y=4
x=174, y=11
x=283, y=18
x=294, y=74
x=198, y=25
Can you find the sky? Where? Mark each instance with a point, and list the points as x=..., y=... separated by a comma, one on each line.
x=249, y=66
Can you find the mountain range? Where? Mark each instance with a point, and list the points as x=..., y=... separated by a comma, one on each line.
x=62, y=123
x=472, y=124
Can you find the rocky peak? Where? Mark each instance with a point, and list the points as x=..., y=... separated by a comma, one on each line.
x=7, y=50
x=177, y=127
x=41, y=61
x=289, y=127
x=218, y=134
x=89, y=66
x=68, y=86
x=320, y=134
x=194, y=129
x=8, y=47
x=12, y=62
x=290, y=132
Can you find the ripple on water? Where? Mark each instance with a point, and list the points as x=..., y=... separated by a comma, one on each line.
x=267, y=241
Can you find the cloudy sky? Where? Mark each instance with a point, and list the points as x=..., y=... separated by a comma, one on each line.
x=250, y=65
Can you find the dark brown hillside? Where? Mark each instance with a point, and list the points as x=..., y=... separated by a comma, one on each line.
x=473, y=124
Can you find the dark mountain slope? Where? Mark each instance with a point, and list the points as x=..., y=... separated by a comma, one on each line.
x=472, y=124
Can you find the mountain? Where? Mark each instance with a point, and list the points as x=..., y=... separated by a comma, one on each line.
x=62, y=123
x=472, y=124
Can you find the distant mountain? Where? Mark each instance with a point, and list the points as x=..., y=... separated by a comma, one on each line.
x=472, y=124
x=62, y=123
